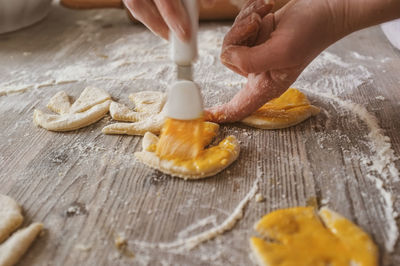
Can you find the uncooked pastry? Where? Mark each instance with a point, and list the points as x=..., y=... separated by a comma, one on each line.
x=12, y=249
x=290, y=109
x=92, y=105
x=147, y=117
x=10, y=216
x=210, y=162
x=301, y=236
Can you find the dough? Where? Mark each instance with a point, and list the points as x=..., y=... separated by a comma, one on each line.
x=300, y=236
x=16, y=246
x=92, y=105
x=10, y=216
x=211, y=161
x=147, y=117
x=12, y=249
x=290, y=109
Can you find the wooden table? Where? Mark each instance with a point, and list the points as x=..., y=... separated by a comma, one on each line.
x=88, y=189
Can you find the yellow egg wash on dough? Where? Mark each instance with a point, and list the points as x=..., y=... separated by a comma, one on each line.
x=288, y=105
x=181, y=139
x=297, y=236
x=216, y=155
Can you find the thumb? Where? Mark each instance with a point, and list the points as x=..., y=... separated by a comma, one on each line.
x=259, y=89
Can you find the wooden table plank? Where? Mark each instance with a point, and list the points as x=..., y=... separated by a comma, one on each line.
x=87, y=188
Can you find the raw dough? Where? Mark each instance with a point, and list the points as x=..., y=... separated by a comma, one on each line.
x=12, y=249
x=211, y=161
x=92, y=105
x=10, y=216
x=300, y=236
x=147, y=117
x=290, y=109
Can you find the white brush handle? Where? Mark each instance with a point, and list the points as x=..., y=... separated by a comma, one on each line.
x=185, y=53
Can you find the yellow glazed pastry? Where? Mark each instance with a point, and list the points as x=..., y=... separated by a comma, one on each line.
x=210, y=161
x=301, y=236
x=290, y=109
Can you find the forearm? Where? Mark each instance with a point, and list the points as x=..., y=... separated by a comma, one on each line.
x=366, y=13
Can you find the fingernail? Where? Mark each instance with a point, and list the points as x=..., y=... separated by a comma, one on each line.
x=226, y=55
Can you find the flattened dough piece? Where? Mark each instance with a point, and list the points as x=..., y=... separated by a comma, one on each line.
x=148, y=101
x=89, y=97
x=16, y=246
x=147, y=117
x=121, y=112
x=151, y=124
x=10, y=217
x=60, y=103
x=210, y=162
x=90, y=107
x=290, y=109
x=71, y=121
x=300, y=236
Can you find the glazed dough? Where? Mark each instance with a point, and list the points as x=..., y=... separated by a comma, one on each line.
x=300, y=236
x=12, y=249
x=290, y=109
x=147, y=117
x=211, y=161
x=92, y=105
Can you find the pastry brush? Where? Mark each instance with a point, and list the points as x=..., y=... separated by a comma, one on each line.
x=181, y=136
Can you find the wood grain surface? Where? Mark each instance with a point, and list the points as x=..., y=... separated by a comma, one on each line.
x=88, y=189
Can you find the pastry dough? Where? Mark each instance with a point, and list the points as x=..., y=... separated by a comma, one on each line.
x=210, y=162
x=12, y=249
x=290, y=109
x=300, y=236
x=92, y=105
x=147, y=117
x=10, y=216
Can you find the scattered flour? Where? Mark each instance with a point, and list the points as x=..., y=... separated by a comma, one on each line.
x=380, y=165
x=184, y=244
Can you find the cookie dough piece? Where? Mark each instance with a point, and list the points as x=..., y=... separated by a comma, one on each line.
x=92, y=105
x=10, y=217
x=147, y=117
x=290, y=109
x=301, y=236
x=210, y=162
x=12, y=249
x=15, y=247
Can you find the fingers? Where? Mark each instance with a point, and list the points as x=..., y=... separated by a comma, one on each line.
x=208, y=3
x=260, y=7
x=174, y=14
x=259, y=89
x=237, y=53
x=147, y=12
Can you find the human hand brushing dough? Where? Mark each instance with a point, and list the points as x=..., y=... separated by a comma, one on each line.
x=272, y=50
x=161, y=16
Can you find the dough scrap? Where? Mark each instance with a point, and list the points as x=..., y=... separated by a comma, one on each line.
x=92, y=105
x=148, y=101
x=147, y=117
x=10, y=216
x=13, y=248
x=212, y=160
x=290, y=109
x=300, y=236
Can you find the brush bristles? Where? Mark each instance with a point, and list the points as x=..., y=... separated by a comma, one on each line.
x=181, y=139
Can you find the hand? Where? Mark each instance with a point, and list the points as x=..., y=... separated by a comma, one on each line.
x=162, y=15
x=272, y=50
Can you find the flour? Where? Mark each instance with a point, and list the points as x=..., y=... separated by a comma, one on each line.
x=184, y=244
x=380, y=165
